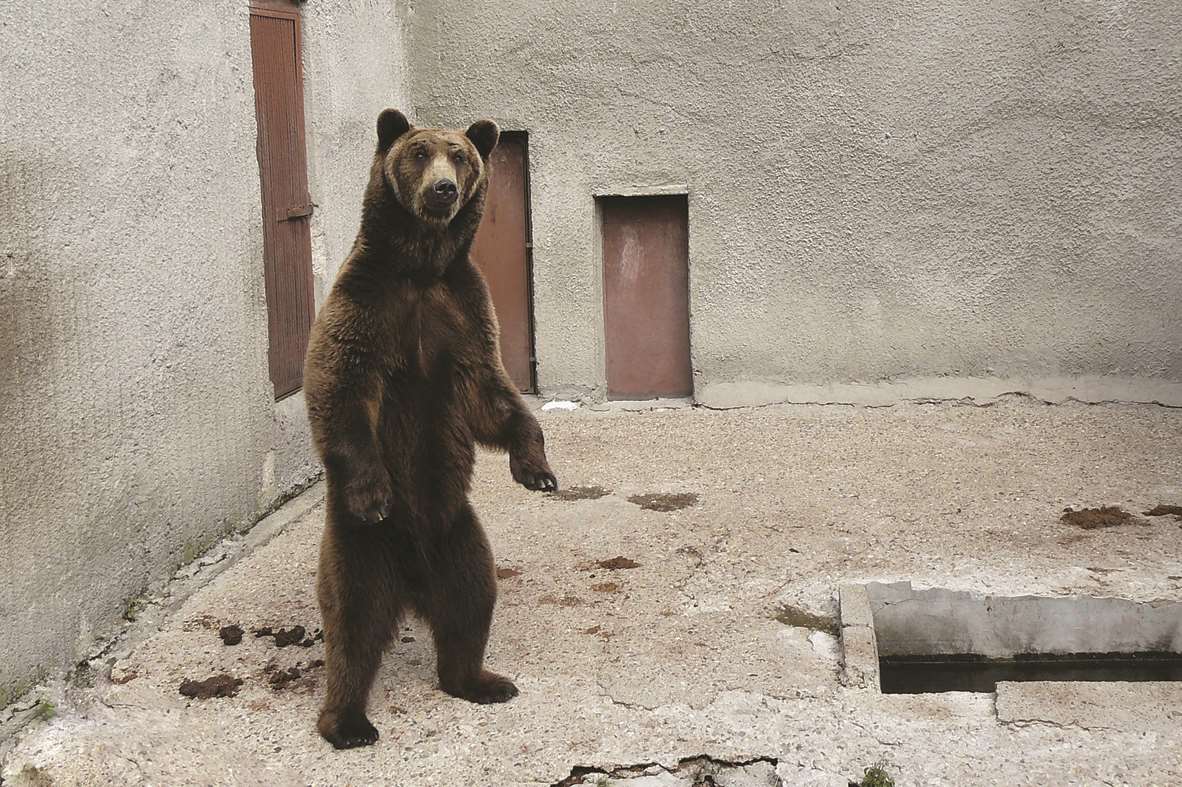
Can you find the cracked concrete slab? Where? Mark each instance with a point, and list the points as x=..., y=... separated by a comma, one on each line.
x=681, y=656
x=1093, y=706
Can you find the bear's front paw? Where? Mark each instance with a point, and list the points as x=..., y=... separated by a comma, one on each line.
x=369, y=498
x=532, y=473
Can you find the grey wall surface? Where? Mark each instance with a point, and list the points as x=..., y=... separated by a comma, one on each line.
x=354, y=67
x=886, y=200
x=137, y=422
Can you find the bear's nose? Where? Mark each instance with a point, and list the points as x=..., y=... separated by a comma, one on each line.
x=445, y=188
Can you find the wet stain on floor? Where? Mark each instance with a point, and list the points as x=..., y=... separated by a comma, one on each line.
x=581, y=493
x=664, y=501
x=802, y=618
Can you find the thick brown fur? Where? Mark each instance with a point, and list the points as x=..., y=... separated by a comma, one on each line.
x=403, y=378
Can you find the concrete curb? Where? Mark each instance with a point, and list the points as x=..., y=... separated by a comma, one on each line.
x=859, y=644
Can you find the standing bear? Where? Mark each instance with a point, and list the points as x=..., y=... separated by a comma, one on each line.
x=403, y=377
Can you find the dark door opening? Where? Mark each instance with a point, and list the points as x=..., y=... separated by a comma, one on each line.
x=646, y=296
x=287, y=206
x=502, y=251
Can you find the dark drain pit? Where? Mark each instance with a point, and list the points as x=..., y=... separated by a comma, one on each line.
x=933, y=674
x=906, y=640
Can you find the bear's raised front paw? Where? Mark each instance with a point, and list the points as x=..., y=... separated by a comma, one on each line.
x=485, y=690
x=533, y=474
x=346, y=729
x=369, y=499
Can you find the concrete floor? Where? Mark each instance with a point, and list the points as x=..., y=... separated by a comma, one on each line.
x=637, y=671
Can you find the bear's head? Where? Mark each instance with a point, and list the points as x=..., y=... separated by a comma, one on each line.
x=434, y=172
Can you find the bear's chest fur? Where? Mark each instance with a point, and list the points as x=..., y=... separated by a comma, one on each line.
x=426, y=332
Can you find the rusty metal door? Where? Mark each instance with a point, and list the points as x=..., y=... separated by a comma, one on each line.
x=287, y=207
x=502, y=251
x=646, y=296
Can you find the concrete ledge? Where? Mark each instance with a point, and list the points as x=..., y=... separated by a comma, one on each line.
x=641, y=405
x=632, y=190
x=1117, y=706
x=910, y=622
x=980, y=390
x=859, y=645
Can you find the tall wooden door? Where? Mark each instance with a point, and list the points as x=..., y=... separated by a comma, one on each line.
x=646, y=296
x=502, y=251
x=287, y=207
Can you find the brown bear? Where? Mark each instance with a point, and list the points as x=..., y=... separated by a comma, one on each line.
x=403, y=376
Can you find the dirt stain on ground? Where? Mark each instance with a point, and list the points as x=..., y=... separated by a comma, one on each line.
x=617, y=563
x=597, y=631
x=216, y=686
x=581, y=493
x=606, y=587
x=296, y=635
x=664, y=501
x=1165, y=510
x=201, y=622
x=566, y=601
x=292, y=677
x=1099, y=518
x=231, y=635
x=121, y=677
x=801, y=618
x=508, y=573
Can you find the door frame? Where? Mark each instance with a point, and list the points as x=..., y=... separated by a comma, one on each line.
x=519, y=139
x=523, y=136
x=289, y=11
x=599, y=196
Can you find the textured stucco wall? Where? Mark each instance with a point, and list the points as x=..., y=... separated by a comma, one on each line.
x=137, y=422
x=886, y=199
x=354, y=67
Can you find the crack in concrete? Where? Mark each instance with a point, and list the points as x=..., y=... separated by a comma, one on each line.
x=700, y=768
x=965, y=401
x=881, y=742
x=606, y=694
x=1023, y=723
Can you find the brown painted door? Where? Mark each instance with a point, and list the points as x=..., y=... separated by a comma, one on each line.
x=502, y=252
x=646, y=296
x=287, y=207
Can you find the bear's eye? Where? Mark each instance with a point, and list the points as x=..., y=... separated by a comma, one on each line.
x=420, y=154
x=460, y=158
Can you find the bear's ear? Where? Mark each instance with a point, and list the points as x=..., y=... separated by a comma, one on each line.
x=392, y=124
x=484, y=135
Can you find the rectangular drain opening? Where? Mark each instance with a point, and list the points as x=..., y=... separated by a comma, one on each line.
x=933, y=674
x=908, y=641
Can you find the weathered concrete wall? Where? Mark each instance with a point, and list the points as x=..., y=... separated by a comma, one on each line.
x=137, y=421
x=354, y=67
x=883, y=197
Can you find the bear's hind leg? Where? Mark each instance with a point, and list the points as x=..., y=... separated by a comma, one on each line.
x=463, y=593
x=360, y=608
